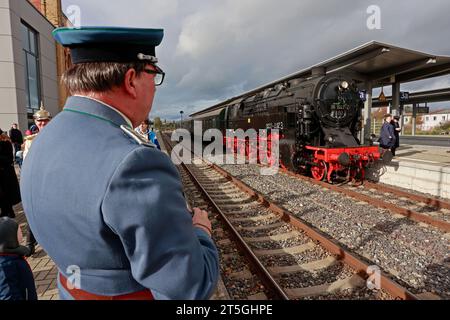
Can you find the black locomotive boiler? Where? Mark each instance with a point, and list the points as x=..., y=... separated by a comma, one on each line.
x=319, y=120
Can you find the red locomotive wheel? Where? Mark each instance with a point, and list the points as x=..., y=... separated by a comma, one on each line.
x=320, y=171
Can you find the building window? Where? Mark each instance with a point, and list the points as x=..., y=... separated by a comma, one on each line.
x=427, y=118
x=434, y=118
x=406, y=119
x=443, y=118
x=32, y=68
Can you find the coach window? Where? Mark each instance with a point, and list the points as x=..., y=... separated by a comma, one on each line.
x=32, y=69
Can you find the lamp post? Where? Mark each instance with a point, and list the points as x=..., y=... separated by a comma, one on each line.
x=181, y=123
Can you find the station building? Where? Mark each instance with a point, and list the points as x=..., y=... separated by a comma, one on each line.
x=30, y=60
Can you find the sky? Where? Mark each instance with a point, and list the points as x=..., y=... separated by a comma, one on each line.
x=216, y=49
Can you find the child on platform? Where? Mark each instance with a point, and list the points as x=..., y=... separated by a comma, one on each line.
x=16, y=277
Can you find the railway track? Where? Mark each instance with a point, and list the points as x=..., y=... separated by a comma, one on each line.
x=292, y=259
x=422, y=209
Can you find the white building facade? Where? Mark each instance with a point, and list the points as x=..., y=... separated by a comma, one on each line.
x=28, y=71
x=430, y=121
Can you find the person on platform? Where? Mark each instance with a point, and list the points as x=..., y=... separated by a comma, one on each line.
x=387, y=135
x=115, y=222
x=41, y=120
x=143, y=129
x=9, y=185
x=148, y=134
x=154, y=138
x=16, y=277
x=16, y=138
x=397, y=130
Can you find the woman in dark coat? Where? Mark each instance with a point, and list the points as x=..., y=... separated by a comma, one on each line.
x=9, y=186
x=387, y=136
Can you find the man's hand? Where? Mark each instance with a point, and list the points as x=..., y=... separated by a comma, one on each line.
x=201, y=220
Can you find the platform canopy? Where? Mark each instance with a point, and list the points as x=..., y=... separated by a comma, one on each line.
x=429, y=96
x=375, y=62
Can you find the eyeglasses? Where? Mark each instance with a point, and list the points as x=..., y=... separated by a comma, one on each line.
x=159, y=74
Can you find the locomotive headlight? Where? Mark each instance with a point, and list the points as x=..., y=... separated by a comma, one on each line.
x=345, y=85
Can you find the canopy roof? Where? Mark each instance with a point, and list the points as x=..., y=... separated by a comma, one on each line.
x=378, y=62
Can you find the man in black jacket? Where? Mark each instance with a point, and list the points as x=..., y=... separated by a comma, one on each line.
x=9, y=186
x=397, y=129
x=16, y=138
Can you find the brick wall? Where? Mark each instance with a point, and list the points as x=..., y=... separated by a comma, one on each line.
x=52, y=10
x=37, y=4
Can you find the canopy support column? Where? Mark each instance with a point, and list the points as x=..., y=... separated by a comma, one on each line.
x=395, y=108
x=366, y=130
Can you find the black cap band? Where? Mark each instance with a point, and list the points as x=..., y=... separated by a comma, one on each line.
x=110, y=53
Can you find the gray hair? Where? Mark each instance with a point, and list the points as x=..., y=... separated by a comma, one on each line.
x=98, y=76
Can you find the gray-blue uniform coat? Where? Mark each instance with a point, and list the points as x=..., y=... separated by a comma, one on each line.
x=98, y=200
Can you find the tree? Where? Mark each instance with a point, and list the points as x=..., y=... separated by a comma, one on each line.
x=378, y=119
x=444, y=128
x=158, y=123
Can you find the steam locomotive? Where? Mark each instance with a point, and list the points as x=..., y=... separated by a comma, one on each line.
x=319, y=120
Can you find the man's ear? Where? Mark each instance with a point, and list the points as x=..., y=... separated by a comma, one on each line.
x=130, y=83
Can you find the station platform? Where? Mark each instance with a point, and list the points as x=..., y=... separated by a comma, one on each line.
x=425, y=169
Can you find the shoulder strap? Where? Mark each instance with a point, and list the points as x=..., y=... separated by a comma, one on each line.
x=136, y=137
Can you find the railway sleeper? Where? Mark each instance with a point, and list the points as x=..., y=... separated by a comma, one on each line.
x=286, y=251
x=351, y=283
x=278, y=237
x=269, y=216
x=240, y=206
x=226, y=200
x=265, y=227
x=310, y=267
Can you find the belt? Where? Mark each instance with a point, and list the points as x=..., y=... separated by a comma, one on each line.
x=79, y=294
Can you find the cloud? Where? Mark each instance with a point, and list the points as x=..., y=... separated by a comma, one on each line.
x=216, y=49
x=137, y=13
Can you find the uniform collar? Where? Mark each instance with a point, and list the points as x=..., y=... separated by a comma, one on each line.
x=97, y=108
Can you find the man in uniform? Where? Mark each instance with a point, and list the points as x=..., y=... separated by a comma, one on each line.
x=41, y=119
x=115, y=223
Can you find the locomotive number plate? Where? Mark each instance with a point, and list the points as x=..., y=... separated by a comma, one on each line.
x=277, y=125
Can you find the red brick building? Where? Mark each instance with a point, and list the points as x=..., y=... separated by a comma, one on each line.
x=52, y=10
